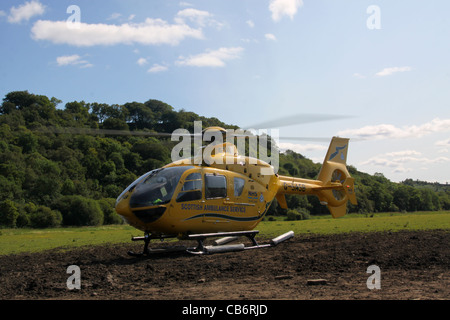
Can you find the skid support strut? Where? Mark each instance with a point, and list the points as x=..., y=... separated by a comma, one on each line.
x=147, y=238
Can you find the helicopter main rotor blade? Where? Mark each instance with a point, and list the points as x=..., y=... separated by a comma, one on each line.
x=92, y=131
x=313, y=139
x=297, y=119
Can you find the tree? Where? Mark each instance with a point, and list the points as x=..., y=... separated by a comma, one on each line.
x=380, y=196
x=43, y=179
x=78, y=110
x=152, y=149
x=8, y=214
x=160, y=112
x=110, y=215
x=44, y=217
x=115, y=124
x=28, y=141
x=79, y=211
x=401, y=197
x=20, y=99
x=116, y=111
x=35, y=108
x=99, y=110
x=140, y=116
x=41, y=168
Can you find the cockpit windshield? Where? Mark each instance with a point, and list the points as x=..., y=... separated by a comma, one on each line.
x=156, y=187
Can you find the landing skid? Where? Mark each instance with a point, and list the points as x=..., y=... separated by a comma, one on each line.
x=220, y=245
x=147, y=238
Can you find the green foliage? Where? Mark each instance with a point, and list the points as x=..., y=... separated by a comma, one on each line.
x=109, y=214
x=44, y=217
x=15, y=241
x=8, y=213
x=79, y=211
x=48, y=179
x=297, y=214
x=374, y=193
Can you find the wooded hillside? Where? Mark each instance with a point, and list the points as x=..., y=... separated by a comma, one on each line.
x=49, y=178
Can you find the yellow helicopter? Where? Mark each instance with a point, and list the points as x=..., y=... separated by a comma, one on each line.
x=226, y=197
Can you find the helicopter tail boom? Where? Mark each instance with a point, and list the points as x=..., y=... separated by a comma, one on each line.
x=334, y=186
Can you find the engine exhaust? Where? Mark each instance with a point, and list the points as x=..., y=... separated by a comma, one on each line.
x=282, y=238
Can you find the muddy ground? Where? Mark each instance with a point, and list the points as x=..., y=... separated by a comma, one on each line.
x=413, y=265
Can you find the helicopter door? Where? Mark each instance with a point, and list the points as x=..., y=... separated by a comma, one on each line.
x=192, y=188
x=239, y=184
x=215, y=209
x=188, y=200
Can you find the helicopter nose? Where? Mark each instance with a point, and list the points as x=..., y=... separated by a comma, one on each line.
x=123, y=208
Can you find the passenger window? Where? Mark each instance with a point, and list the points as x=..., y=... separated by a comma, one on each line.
x=193, y=182
x=192, y=188
x=216, y=186
x=238, y=186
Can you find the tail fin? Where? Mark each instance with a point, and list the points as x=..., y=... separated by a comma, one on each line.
x=338, y=186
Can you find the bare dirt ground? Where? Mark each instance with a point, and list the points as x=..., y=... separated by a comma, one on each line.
x=413, y=265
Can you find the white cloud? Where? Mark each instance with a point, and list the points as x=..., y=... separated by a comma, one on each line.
x=383, y=162
x=150, y=32
x=114, y=16
x=300, y=148
x=26, y=11
x=398, y=158
x=403, y=153
x=280, y=8
x=396, y=162
x=142, y=61
x=247, y=40
x=270, y=36
x=443, y=143
x=157, y=68
x=211, y=58
x=390, y=71
x=250, y=23
x=389, y=131
x=199, y=17
x=72, y=61
x=402, y=170
x=185, y=4
x=67, y=60
x=359, y=76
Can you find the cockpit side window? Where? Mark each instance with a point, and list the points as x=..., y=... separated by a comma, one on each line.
x=192, y=188
x=216, y=186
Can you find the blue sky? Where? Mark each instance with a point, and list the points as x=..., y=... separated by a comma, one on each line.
x=384, y=63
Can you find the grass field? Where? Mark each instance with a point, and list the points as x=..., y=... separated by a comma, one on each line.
x=30, y=240
x=360, y=223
